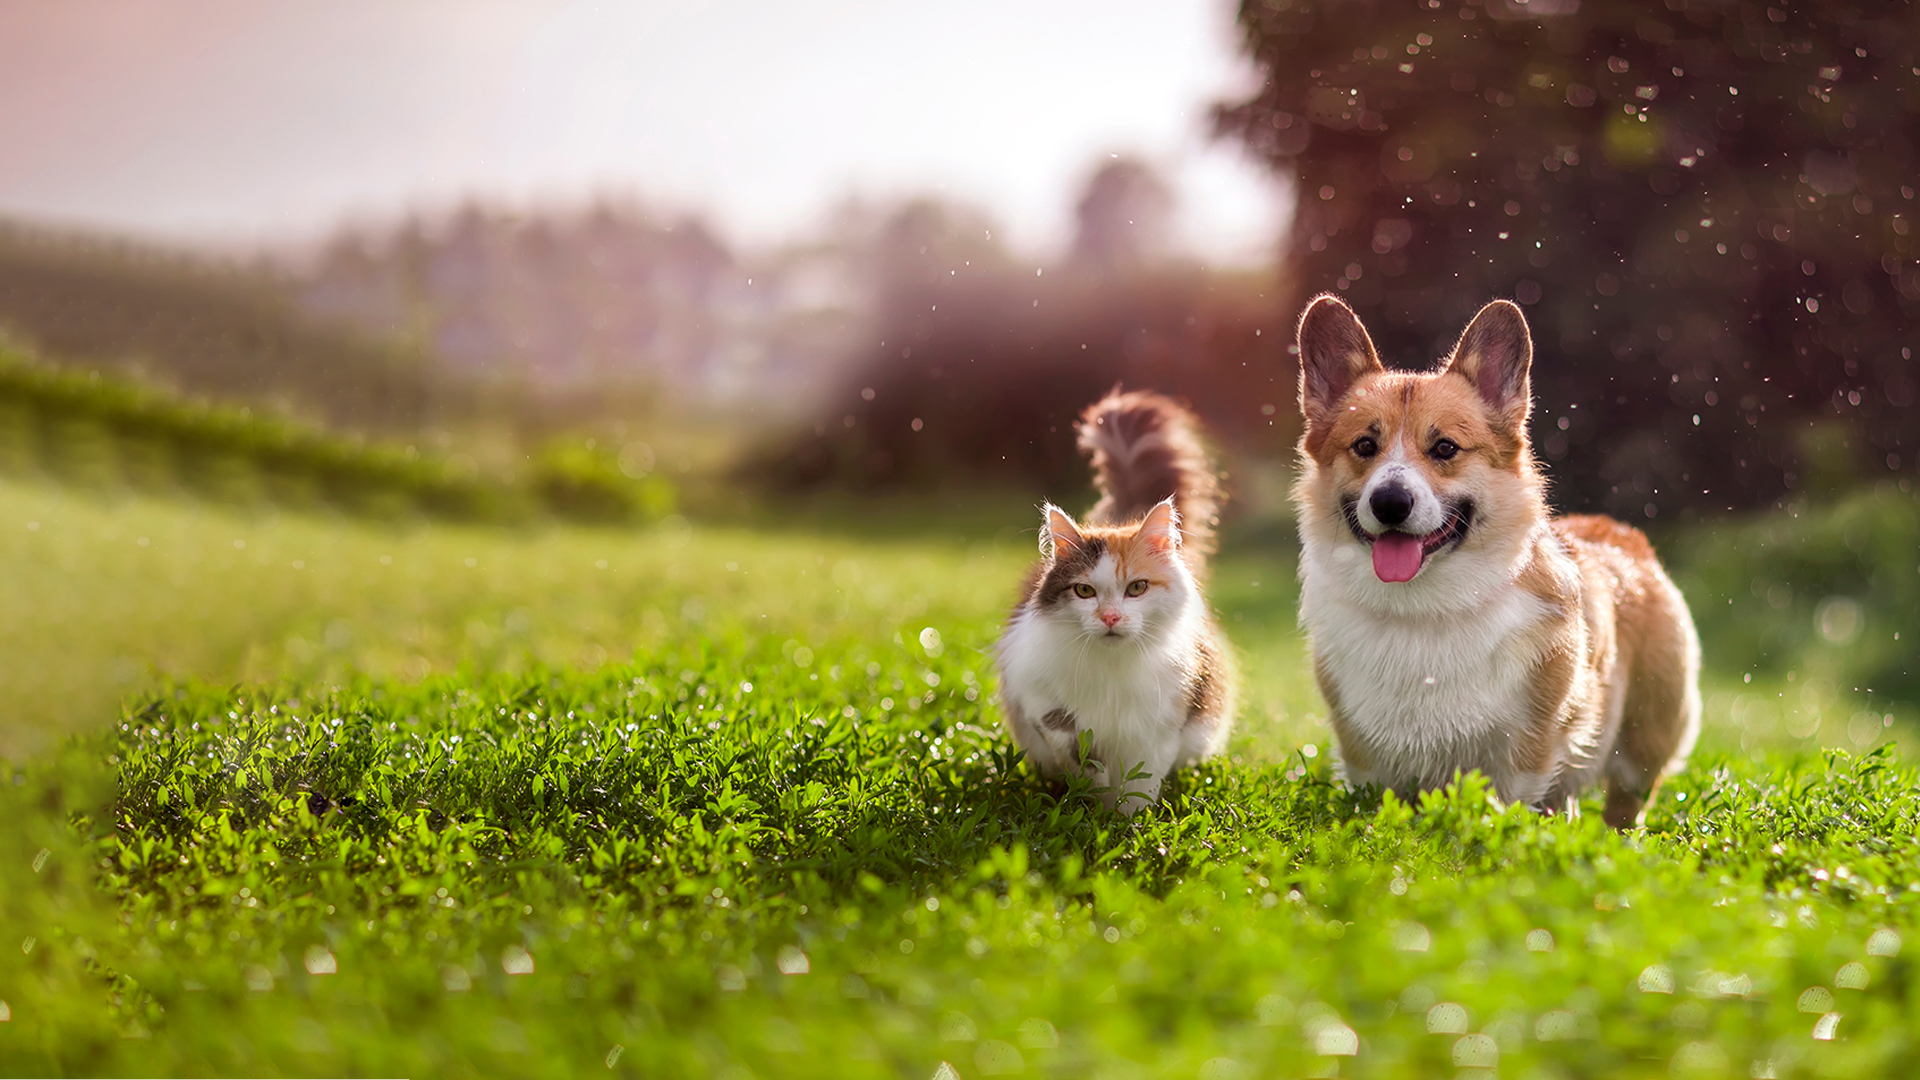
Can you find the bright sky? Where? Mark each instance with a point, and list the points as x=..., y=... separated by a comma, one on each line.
x=240, y=122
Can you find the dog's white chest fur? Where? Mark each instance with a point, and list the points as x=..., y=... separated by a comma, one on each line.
x=1427, y=694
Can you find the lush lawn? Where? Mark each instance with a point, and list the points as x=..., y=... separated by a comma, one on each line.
x=725, y=806
x=98, y=597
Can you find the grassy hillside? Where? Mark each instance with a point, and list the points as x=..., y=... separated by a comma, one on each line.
x=219, y=330
x=106, y=596
x=113, y=433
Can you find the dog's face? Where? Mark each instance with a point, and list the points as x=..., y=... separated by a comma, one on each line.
x=1404, y=473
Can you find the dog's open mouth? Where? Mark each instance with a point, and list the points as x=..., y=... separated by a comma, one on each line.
x=1399, y=556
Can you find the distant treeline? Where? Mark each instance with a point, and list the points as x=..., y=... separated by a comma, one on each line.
x=980, y=380
x=108, y=431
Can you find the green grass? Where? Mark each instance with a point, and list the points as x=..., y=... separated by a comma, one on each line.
x=722, y=808
x=1831, y=594
x=103, y=596
x=109, y=432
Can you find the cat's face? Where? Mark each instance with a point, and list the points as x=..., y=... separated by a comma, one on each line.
x=1115, y=585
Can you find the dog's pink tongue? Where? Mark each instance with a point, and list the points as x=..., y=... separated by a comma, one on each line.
x=1396, y=556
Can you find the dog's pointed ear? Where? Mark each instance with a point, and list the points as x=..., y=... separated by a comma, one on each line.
x=1334, y=352
x=1060, y=537
x=1495, y=354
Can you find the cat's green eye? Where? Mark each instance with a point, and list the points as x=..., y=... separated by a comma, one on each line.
x=1084, y=591
x=1137, y=587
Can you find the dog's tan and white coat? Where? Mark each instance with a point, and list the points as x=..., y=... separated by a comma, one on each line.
x=1456, y=624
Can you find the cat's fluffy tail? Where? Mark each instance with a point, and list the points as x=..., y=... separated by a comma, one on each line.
x=1146, y=447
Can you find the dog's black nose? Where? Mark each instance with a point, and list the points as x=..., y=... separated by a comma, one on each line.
x=1391, y=503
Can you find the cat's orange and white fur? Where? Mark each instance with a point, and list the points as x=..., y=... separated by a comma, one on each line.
x=1456, y=623
x=1113, y=637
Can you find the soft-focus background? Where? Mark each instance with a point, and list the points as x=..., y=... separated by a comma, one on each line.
x=352, y=338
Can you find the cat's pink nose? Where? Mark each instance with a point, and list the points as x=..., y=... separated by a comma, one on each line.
x=1111, y=618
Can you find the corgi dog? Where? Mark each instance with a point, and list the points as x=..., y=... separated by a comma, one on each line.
x=1112, y=638
x=1456, y=624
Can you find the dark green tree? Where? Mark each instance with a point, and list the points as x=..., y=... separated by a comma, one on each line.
x=1707, y=206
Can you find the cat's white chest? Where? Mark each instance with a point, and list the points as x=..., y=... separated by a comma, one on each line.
x=1120, y=692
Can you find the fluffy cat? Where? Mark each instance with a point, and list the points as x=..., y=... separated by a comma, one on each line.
x=1113, y=637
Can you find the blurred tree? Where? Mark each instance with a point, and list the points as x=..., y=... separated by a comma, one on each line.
x=920, y=247
x=1707, y=205
x=1123, y=218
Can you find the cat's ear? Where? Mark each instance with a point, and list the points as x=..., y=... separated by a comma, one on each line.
x=1060, y=536
x=1161, y=527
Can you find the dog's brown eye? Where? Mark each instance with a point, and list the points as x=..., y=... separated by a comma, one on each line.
x=1445, y=449
x=1137, y=587
x=1364, y=446
x=1083, y=590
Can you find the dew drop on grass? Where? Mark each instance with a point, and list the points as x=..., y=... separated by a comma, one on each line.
x=1700, y=1058
x=1038, y=1034
x=515, y=960
x=613, y=1055
x=1554, y=1026
x=1815, y=999
x=1884, y=942
x=1476, y=1052
x=1222, y=1068
x=1447, y=1018
x=1656, y=979
x=957, y=1027
x=1412, y=937
x=996, y=1058
x=321, y=962
x=1329, y=1037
